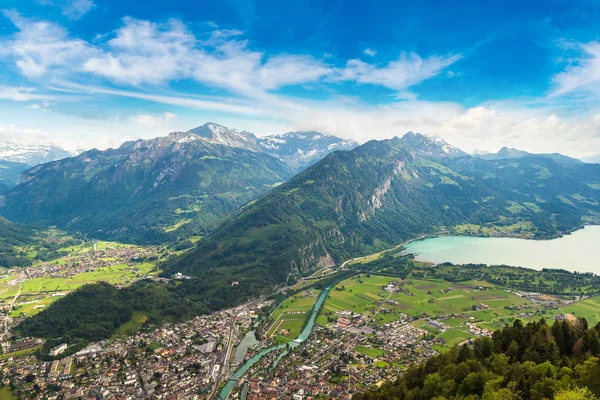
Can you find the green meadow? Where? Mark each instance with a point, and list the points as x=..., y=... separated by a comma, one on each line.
x=422, y=298
x=588, y=309
x=290, y=316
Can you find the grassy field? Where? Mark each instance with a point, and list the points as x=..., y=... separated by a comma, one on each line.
x=372, y=352
x=588, y=309
x=290, y=316
x=422, y=298
x=38, y=292
x=20, y=353
x=137, y=320
x=6, y=394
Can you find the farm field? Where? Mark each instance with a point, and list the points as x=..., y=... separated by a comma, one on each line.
x=425, y=298
x=117, y=274
x=289, y=317
x=35, y=294
x=588, y=309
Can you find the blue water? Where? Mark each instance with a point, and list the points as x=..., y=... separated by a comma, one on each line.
x=579, y=251
x=293, y=344
x=248, y=341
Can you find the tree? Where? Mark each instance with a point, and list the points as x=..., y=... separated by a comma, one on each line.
x=575, y=394
x=589, y=375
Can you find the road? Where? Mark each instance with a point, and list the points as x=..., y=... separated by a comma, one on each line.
x=12, y=304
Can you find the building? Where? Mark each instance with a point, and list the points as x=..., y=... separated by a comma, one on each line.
x=58, y=349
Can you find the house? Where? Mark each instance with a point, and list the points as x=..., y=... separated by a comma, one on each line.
x=299, y=395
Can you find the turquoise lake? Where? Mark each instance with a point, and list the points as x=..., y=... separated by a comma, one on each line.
x=579, y=251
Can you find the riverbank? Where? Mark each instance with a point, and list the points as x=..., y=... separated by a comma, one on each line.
x=234, y=379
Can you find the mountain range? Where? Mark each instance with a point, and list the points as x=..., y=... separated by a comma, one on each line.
x=150, y=191
x=300, y=150
x=259, y=226
x=17, y=158
x=592, y=159
x=356, y=202
x=506, y=153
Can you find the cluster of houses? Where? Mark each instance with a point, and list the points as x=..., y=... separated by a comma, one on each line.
x=170, y=362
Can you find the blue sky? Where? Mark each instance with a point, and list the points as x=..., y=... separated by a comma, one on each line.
x=93, y=73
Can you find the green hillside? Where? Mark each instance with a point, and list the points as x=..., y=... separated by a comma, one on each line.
x=147, y=191
x=356, y=202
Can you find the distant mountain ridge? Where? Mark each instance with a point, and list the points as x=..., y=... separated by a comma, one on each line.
x=149, y=190
x=32, y=154
x=591, y=159
x=302, y=149
x=506, y=153
x=16, y=158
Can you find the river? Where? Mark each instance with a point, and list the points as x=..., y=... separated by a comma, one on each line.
x=240, y=351
x=579, y=251
x=293, y=344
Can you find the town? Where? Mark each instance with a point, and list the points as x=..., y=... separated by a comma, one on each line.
x=369, y=329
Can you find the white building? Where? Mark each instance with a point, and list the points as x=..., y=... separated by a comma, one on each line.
x=58, y=349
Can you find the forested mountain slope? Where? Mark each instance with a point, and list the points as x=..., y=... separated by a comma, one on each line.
x=148, y=190
x=381, y=193
x=11, y=237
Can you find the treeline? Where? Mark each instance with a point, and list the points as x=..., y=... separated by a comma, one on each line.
x=11, y=236
x=549, y=281
x=533, y=361
x=94, y=311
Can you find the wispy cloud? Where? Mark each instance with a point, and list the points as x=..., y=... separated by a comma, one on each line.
x=369, y=52
x=406, y=71
x=141, y=59
x=583, y=75
x=40, y=47
x=148, y=53
x=73, y=9
x=44, y=106
x=22, y=94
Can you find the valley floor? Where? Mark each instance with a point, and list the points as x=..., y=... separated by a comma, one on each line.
x=371, y=326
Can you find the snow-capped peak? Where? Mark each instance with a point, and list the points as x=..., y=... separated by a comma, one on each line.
x=32, y=154
x=221, y=135
x=429, y=145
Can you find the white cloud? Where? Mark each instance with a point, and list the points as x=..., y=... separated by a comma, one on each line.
x=41, y=46
x=44, y=106
x=158, y=124
x=488, y=127
x=406, y=71
x=73, y=9
x=287, y=70
x=209, y=103
x=153, y=120
x=369, y=52
x=141, y=58
x=22, y=94
x=148, y=53
x=584, y=75
x=14, y=134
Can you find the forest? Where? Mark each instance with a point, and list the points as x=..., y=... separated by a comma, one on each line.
x=534, y=361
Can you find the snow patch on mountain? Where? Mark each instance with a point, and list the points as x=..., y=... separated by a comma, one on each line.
x=32, y=154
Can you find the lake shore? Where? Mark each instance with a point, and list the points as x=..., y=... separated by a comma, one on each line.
x=577, y=251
